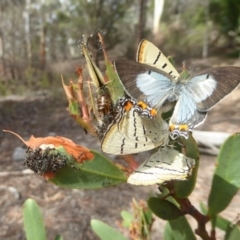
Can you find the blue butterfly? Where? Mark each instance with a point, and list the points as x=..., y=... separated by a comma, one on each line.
x=158, y=83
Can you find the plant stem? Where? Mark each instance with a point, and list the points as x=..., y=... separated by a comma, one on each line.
x=201, y=219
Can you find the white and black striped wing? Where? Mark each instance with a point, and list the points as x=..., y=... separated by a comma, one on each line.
x=148, y=53
x=131, y=133
x=164, y=165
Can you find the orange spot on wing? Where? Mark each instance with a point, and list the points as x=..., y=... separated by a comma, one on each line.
x=153, y=112
x=142, y=105
x=127, y=106
x=183, y=127
x=171, y=127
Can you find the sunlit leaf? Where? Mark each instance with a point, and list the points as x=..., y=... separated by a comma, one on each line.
x=181, y=229
x=115, y=87
x=105, y=232
x=96, y=173
x=66, y=164
x=168, y=233
x=233, y=232
x=127, y=218
x=93, y=70
x=226, y=179
x=33, y=221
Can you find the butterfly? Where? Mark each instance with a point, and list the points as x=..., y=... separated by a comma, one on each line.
x=164, y=165
x=148, y=53
x=132, y=131
x=193, y=95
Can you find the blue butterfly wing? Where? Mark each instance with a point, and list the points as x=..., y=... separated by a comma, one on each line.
x=155, y=86
x=212, y=85
x=144, y=82
x=186, y=115
x=198, y=94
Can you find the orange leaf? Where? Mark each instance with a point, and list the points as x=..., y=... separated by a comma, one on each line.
x=80, y=153
x=69, y=90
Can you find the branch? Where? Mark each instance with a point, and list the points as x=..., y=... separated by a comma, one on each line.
x=201, y=219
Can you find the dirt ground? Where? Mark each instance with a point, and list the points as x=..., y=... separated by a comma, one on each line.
x=68, y=212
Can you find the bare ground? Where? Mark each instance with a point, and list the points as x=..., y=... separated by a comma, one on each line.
x=68, y=212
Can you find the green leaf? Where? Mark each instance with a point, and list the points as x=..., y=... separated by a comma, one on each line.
x=93, y=70
x=127, y=218
x=185, y=74
x=147, y=220
x=58, y=237
x=233, y=232
x=184, y=188
x=181, y=229
x=73, y=92
x=105, y=232
x=203, y=208
x=226, y=179
x=167, y=115
x=114, y=85
x=33, y=221
x=73, y=109
x=221, y=223
x=168, y=234
x=164, y=209
x=148, y=216
x=91, y=174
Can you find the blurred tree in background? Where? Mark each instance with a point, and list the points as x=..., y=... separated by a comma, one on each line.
x=38, y=38
x=226, y=15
